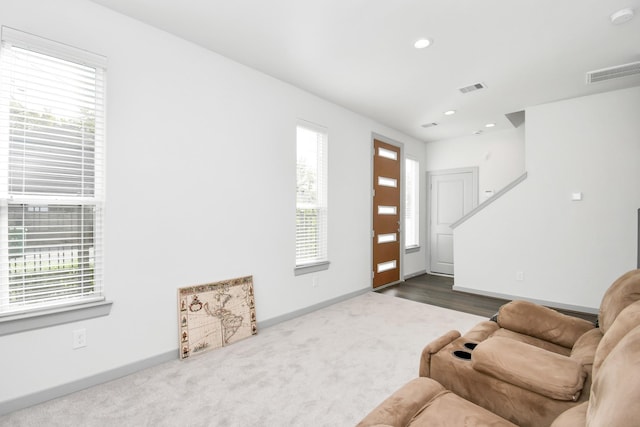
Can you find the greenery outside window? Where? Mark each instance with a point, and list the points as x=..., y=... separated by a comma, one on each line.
x=51, y=174
x=311, y=198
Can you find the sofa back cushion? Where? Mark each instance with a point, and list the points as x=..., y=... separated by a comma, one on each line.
x=542, y=322
x=626, y=321
x=624, y=291
x=616, y=386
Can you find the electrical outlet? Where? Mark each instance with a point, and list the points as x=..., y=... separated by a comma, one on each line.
x=79, y=338
x=314, y=281
x=519, y=276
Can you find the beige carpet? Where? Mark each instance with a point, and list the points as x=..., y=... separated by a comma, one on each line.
x=327, y=368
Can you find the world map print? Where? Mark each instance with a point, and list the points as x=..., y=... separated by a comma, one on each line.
x=215, y=315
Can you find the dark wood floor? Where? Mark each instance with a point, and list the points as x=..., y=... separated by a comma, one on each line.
x=437, y=290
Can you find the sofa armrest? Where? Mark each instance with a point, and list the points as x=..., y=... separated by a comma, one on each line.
x=399, y=408
x=542, y=322
x=574, y=417
x=584, y=350
x=434, y=347
x=529, y=367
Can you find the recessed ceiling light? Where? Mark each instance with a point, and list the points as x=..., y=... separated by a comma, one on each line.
x=478, y=132
x=422, y=43
x=449, y=113
x=489, y=125
x=621, y=16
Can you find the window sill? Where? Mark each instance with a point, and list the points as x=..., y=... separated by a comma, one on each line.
x=311, y=268
x=41, y=319
x=412, y=249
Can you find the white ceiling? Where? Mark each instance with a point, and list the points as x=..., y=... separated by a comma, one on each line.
x=360, y=54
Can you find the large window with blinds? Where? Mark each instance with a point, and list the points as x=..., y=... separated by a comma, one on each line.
x=51, y=174
x=412, y=204
x=311, y=198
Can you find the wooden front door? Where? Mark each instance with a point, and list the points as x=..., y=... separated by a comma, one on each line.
x=386, y=213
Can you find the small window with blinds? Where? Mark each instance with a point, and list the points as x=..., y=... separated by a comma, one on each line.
x=311, y=198
x=51, y=174
x=412, y=204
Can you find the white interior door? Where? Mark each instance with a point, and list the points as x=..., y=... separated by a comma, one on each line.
x=452, y=195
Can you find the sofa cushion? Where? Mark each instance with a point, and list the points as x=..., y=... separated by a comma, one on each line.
x=529, y=367
x=620, y=294
x=481, y=331
x=528, y=339
x=542, y=322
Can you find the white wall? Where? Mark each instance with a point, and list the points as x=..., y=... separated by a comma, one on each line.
x=569, y=252
x=499, y=156
x=200, y=188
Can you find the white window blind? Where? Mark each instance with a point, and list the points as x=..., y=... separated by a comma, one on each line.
x=412, y=205
x=51, y=173
x=311, y=195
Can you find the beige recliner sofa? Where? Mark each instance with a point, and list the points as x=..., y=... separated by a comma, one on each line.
x=613, y=400
x=512, y=376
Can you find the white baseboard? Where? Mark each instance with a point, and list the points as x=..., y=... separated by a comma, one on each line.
x=279, y=319
x=113, y=374
x=81, y=384
x=416, y=274
x=552, y=304
x=441, y=274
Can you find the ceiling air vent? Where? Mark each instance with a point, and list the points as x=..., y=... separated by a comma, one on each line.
x=429, y=125
x=472, y=88
x=616, y=72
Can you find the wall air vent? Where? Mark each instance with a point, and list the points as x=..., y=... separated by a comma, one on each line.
x=616, y=72
x=429, y=125
x=472, y=87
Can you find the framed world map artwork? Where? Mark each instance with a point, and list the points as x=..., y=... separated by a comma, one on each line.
x=215, y=315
